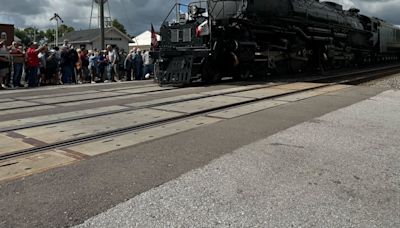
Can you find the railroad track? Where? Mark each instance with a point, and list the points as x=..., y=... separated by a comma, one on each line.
x=21, y=127
x=352, y=78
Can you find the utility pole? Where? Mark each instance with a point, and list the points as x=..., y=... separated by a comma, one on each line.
x=101, y=3
x=177, y=11
x=34, y=34
x=57, y=18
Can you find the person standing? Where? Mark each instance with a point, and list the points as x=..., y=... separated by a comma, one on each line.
x=76, y=62
x=128, y=64
x=93, y=66
x=138, y=63
x=51, y=67
x=18, y=63
x=33, y=63
x=111, y=59
x=67, y=65
x=85, y=65
x=42, y=58
x=147, y=61
x=102, y=65
x=78, y=67
x=4, y=63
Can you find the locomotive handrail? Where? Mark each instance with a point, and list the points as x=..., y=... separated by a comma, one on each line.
x=172, y=9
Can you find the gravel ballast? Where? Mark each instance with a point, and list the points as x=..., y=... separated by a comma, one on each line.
x=389, y=82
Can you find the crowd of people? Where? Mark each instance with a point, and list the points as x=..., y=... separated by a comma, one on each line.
x=39, y=65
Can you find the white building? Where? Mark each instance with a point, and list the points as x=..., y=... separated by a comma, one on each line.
x=143, y=41
x=90, y=38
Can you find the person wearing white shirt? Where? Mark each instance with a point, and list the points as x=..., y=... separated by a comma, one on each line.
x=147, y=63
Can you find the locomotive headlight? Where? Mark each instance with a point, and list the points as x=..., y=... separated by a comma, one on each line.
x=193, y=9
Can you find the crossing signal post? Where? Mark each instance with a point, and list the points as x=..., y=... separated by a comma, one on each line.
x=57, y=18
x=101, y=6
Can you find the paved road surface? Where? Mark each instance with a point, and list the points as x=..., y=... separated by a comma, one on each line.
x=74, y=193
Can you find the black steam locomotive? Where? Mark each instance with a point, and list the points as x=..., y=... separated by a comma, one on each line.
x=239, y=38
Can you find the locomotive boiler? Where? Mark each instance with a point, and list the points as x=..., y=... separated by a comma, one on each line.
x=239, y=38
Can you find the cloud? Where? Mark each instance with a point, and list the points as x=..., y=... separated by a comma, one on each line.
x=136, y=15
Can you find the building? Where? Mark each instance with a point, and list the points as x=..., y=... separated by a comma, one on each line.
x=7, y=33
x=143, y=41
x=90, y=38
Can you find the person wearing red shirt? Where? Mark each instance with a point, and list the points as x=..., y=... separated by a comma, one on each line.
x=33, y=63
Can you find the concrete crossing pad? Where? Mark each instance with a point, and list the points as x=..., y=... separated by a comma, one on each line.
x=15, y=104
x=126, y=140
x=76, y=97
x=261, y=93
x=74, y=129
x=33, y=164
x=202, y=104
x=29, y=109
x=60, y=116
x=245, y=109
x=299, y=86
x=164, y=100
x=234, y=89
x=8, y=144
x=57, y=95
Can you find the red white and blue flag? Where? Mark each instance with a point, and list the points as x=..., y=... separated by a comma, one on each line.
x=154, y=41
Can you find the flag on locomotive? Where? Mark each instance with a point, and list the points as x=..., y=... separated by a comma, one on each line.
x=154, y=42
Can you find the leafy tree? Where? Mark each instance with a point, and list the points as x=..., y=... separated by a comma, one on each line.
x=119, y=26
x=50, y=34
x=25, y=39
x=33, y=34
x=64, y=29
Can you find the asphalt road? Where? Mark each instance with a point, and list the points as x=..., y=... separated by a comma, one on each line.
x=71, y=194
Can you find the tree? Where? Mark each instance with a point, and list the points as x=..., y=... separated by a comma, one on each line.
x=25, y=39
x=30, y=34
x=50, y=34
x=119, y=26
x=64, y=29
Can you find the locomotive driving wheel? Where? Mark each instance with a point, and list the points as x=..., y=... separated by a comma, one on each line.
x=298, y=59
x=210, y=73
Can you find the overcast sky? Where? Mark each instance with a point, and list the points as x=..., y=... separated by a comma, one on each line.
x=137, y=15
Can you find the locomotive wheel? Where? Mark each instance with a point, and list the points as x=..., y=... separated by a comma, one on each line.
x=282, y=67
x=297, y=66
x=210, y=74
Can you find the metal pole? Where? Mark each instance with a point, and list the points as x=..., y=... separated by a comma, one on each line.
x=91, y=15
x=101, y=3
x=177, y=11
x=56, y=32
